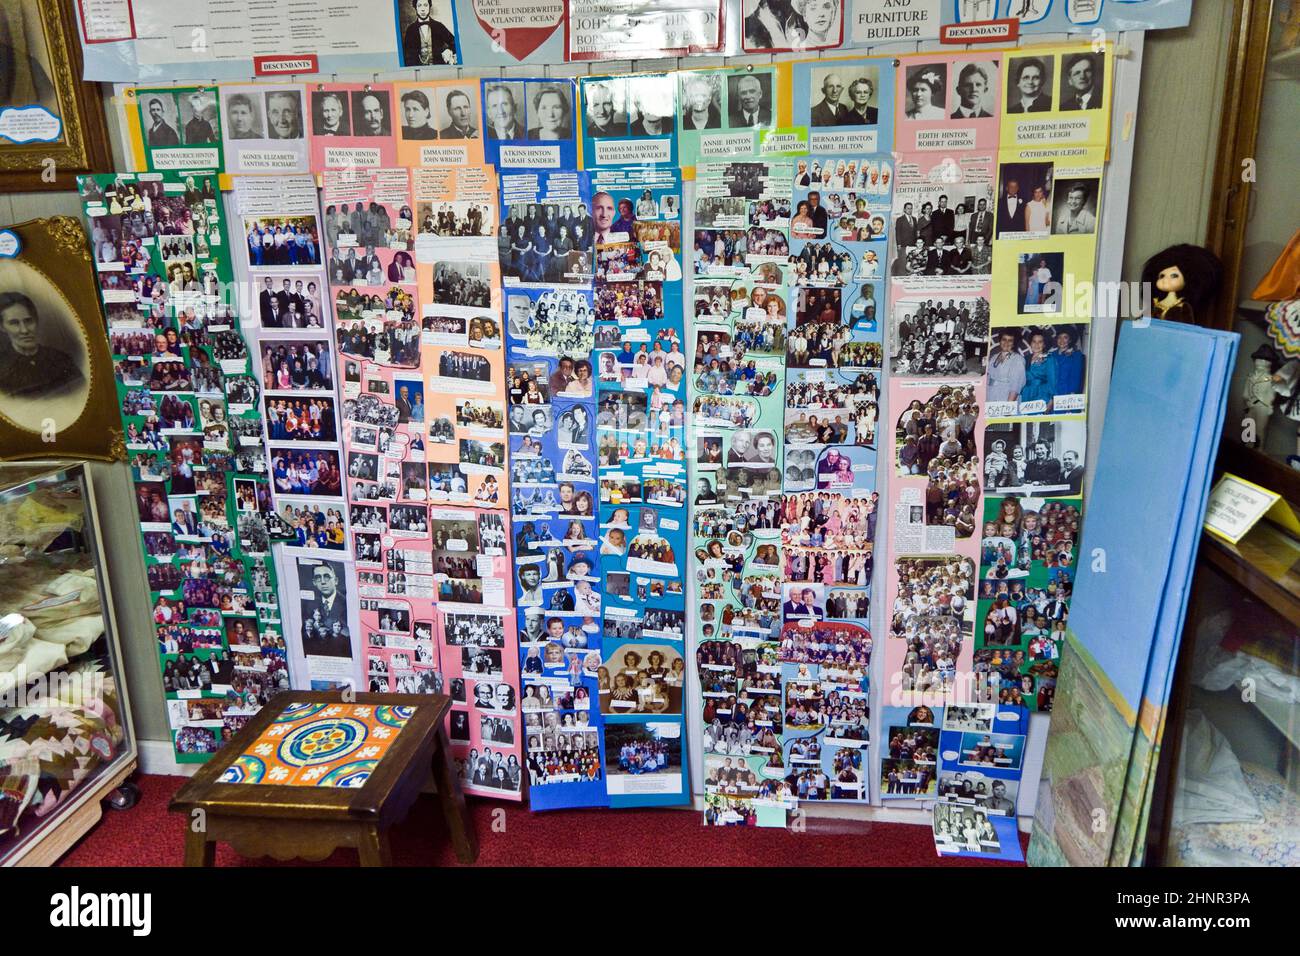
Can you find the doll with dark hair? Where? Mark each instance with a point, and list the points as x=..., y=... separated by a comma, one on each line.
x=1184, y=279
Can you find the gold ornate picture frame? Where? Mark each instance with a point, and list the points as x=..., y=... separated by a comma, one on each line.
x=40, y=66
x=57, y=394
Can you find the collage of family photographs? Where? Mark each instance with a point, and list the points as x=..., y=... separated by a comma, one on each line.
x=465, y=394
x=192, y=416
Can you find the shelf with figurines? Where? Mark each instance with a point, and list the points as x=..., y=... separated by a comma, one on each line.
x=1263, y=436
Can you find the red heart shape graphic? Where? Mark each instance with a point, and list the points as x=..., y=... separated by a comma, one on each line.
x=519, y=41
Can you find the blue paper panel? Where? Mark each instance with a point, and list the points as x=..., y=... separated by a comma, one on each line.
x=1136, y=565
x=1160, y=375
x=629, y=120
x=529, y=123
x=824, y=98
x=967, y=831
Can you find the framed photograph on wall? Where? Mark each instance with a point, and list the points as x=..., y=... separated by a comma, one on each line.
x=57, y=397
x=52, y=126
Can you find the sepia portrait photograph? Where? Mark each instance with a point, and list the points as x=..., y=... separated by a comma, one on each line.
x=56, y=384
x=43, y=352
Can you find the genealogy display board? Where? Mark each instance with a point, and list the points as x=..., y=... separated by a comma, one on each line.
x=595, y=403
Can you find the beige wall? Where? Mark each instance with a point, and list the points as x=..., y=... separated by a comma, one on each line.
x=1176, y=131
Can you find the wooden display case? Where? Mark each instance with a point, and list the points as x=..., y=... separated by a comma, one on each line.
x=1232, y=697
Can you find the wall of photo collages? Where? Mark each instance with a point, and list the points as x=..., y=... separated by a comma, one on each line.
x=620, y=504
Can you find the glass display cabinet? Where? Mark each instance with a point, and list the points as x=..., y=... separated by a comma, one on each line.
x=66, y=742
x=1230, y=773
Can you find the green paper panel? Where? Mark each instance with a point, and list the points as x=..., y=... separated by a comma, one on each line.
x=194, y=441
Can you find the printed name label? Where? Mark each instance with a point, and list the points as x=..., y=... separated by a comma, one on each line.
x=548, y=156
x=617, y=152
x=208, y=158
x=346, y=156
x=863, y=141
x=443, y=155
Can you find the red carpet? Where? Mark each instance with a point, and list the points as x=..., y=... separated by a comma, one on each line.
x=148, y=835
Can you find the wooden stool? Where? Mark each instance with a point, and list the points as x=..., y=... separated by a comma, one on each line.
x=312, y=772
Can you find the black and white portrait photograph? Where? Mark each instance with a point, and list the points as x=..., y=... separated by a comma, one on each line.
x=846, y=95
x=1074, y=207
x=494, y=697
x=651, y=105
x=535, y=420
x=604, y=107
x=439, y=113
x=243, y=115
x=198, y=118
x=1030, y=86
x=458, y=113
x=284, y=114
x=323, y=605
x=371, y=111
x=549, y=110
x=428, y=32
x=417, y=115
x=158, y=119
x=769, y=25
x=1081, y=82
x=925, y=91
x=504, y=111
x=700, y=101
x=749, y=100
x=497, y=730
x=975, y=89
x=330, y=113
x=458, y=726
x=44, y=355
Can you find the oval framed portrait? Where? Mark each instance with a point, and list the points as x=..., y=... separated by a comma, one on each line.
x=44, y=355
x=56, y=393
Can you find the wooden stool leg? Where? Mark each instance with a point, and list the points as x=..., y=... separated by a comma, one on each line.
x=199, y=850
x=453, y=801
x=373, y=847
